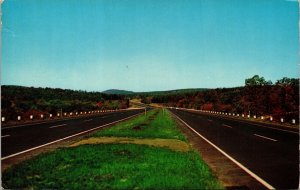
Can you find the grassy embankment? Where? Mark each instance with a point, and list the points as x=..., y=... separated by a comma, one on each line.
x=143, y=153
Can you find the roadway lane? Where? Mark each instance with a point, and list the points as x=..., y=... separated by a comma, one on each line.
x=16, y=139
x=271, y=154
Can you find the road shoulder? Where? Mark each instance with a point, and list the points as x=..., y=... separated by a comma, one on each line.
x=226, y=171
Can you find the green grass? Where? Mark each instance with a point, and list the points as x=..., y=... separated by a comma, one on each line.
x=162, y=126
x=117, y=166
x=112, y=166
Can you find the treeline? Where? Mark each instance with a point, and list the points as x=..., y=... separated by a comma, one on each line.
x=147, y=96
x=25, y=101
x=169, y=92
x=131, y=94
x=257, y=98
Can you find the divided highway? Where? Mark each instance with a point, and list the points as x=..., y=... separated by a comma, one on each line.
x=16, y=139
x=272, y=154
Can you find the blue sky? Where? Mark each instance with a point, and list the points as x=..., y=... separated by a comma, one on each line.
x=145, y=45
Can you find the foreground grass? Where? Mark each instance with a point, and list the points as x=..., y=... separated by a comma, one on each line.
x=89, y=165
x=112, y=167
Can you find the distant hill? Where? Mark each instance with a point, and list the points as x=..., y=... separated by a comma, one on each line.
x=177, y=91
x=152, y=93
x=116, y=91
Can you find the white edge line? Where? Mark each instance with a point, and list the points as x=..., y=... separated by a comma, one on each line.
x=57, y=126
x=228, y=126
x=22, y=152
x=5, y=136
x=263, y=182
x=265, y=137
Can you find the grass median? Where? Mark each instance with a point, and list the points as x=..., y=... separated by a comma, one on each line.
x=143, y=153
x=156, y=124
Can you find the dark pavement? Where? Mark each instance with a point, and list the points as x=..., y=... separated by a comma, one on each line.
x=272, y=154
x=16, y=139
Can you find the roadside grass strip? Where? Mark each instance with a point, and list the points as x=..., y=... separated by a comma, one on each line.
x=154, y=155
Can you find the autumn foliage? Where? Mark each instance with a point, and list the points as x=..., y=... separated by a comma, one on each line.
x=261, y=100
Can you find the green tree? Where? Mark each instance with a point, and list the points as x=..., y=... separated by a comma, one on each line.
x=256, y=80
x=285, y=81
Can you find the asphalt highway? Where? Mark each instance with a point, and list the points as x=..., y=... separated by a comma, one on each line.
x=270, y=153
x=16, y=139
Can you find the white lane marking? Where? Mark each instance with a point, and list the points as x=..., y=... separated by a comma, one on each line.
x=209, y=120
x=251, y=123
x=55, y=120
x=263, y=182
x=57, y=126
x=83, y=132
x=34, y=123
x=5, y=136
x=228, y=126
x=265, y=137
x=87, y=120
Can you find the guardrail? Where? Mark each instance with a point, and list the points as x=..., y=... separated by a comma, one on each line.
x=20, y=118
x=255, y=117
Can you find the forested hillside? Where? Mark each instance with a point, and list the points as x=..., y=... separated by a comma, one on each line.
x=256, y=97
x=25, y=101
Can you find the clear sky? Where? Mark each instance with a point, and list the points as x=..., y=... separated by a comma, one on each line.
x=145, y=45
